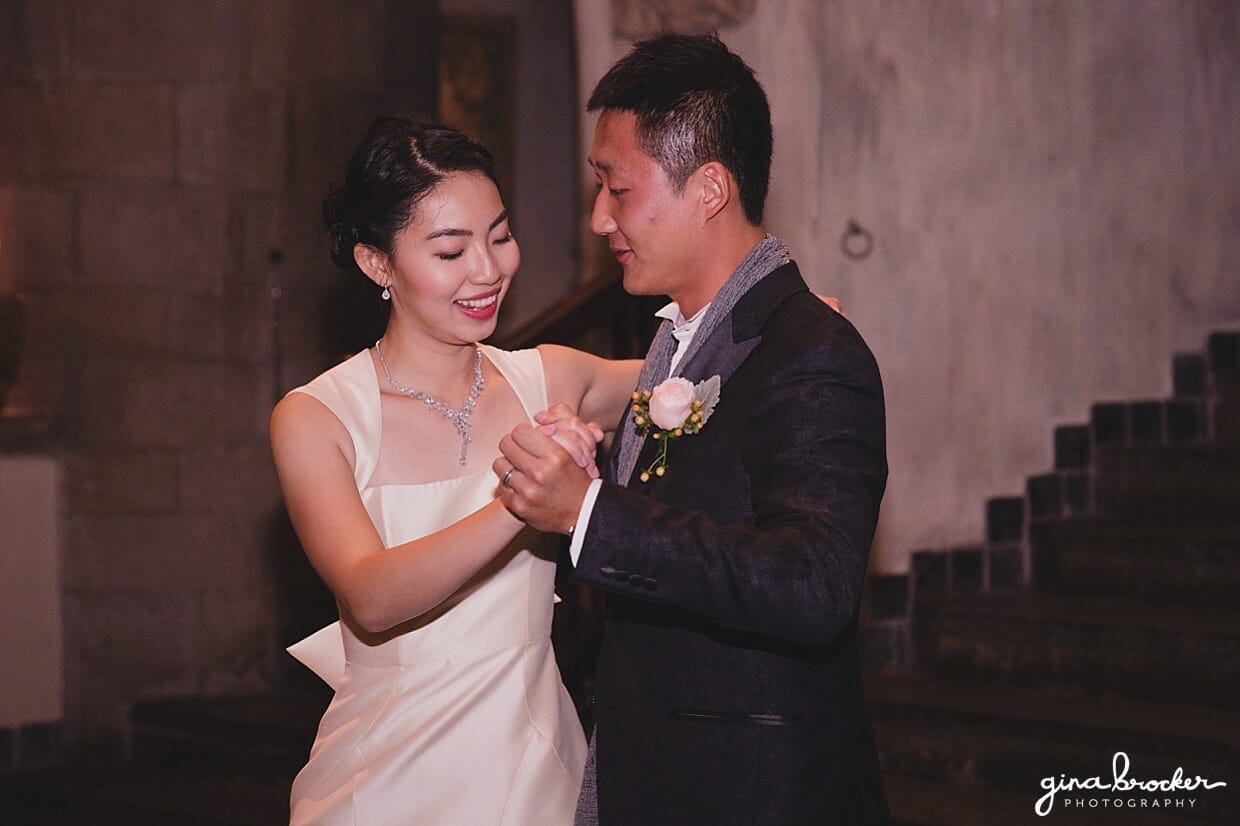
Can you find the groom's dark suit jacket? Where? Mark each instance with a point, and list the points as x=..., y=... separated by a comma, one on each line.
x=728, y=689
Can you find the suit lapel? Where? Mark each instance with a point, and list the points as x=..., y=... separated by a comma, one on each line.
x=727, y=347
x=720, y=355
x=736, y=336
x=613, y=461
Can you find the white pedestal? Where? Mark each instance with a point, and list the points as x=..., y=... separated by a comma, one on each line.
x=31, y=630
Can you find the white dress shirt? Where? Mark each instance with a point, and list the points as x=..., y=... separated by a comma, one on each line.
x=683, y=330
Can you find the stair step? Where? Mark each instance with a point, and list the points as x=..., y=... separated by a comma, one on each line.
x=917, y=802
x=1043, y=709
x=138, y=796
x=1134, y=647
x=976, y=735
x=1223, y=357
x=1169, y=485
x=1225, y=416
x=266, y=736
x=1223, y=352
x=1116, y=556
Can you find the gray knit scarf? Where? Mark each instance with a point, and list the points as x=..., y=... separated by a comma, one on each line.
x=765, y=256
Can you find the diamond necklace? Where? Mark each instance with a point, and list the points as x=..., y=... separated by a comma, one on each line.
x=459, y=418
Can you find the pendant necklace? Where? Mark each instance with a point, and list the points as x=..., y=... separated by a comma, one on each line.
x=458, y=418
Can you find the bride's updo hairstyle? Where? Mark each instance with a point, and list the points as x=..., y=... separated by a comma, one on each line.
x=399, y=162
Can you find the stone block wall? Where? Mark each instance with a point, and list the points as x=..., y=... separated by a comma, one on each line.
x=161, y=166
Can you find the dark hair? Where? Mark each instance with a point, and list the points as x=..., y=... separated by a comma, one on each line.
x=399, y=162
x=695, y=102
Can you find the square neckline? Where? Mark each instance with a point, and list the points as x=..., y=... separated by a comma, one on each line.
x=448, y=480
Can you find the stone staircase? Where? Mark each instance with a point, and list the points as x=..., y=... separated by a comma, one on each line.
x=1101, y=615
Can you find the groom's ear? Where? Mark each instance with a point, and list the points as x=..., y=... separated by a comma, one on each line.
x=716, y=188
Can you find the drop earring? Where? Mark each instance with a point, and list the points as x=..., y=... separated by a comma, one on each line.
x=386, y=294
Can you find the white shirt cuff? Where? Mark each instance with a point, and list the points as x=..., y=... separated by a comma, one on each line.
x=583, y=519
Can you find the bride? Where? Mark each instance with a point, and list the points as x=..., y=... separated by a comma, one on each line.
x=448, y=705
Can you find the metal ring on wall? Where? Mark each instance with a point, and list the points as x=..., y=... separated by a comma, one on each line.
x=857, y=241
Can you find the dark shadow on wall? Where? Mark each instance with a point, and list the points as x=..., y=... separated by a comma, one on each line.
x=352, y=315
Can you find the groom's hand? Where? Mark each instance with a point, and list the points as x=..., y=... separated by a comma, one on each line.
x=542, y=484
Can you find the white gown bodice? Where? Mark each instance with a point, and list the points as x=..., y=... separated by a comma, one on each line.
x=458, y=716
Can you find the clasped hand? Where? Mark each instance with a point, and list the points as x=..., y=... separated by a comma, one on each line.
x=546, y=469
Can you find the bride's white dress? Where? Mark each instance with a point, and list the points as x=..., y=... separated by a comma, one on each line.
x=460, y=718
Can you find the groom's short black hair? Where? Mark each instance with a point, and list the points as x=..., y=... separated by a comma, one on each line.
x=695, y=102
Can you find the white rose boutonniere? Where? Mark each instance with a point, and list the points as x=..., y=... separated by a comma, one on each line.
x=675, y=408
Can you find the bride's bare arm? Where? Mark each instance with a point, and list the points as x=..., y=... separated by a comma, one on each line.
x=376, y=587
x=598, y=389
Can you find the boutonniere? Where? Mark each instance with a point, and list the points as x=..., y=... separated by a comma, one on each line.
x=675, y=408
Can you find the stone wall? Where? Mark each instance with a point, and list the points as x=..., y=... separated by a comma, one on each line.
x=161, y=166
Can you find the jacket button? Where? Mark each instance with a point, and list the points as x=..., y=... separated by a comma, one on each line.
x=650, y=583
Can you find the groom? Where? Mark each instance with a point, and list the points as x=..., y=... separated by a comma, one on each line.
x=727, y=687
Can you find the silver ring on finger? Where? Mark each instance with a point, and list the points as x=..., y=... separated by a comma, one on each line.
x=503, y=480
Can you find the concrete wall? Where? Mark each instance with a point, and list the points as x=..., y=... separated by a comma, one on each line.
x=1054, y=193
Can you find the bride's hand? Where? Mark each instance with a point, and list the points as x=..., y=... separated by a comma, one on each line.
x=832, y=302
x=579, y=438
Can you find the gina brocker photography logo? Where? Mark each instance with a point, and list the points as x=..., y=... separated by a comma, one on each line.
x=1119, y=791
